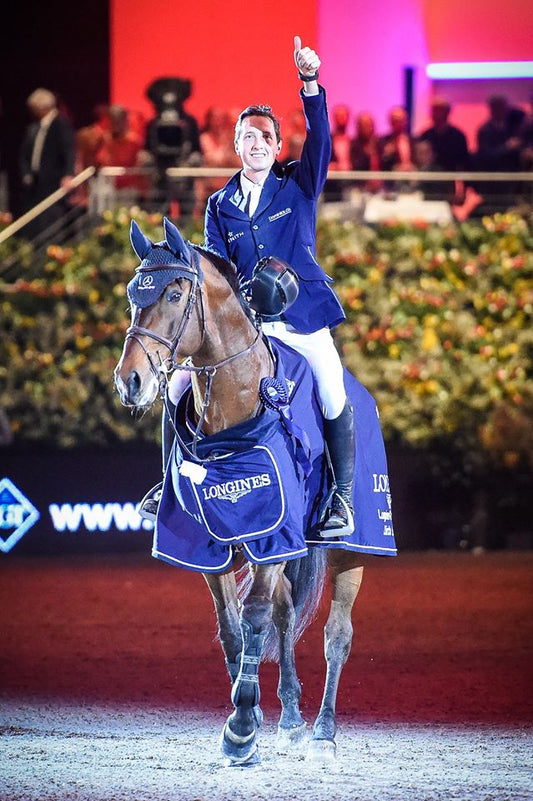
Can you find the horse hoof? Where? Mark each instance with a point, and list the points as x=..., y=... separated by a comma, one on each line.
x=321, y=751
x=289, y=739
x=238, y=749
x=249, y=762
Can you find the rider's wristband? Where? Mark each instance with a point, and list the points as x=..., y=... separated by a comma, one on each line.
x=307, y=78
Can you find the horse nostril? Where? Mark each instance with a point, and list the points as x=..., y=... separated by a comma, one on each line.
x=133, y=384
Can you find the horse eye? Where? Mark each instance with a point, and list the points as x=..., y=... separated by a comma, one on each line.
x=173, y=295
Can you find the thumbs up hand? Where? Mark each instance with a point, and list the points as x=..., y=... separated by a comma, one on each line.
x=306, y=60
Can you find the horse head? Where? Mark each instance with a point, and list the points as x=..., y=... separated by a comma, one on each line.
x=166, y=313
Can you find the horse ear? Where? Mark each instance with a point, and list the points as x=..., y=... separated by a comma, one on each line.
x=174, y=239
x=139, y=242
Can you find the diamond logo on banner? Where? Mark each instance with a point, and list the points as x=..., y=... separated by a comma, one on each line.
x=17, y=515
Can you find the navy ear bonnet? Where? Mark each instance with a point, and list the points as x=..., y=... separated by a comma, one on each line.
x=161, y=263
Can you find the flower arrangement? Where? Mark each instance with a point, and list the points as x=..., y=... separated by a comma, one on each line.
x=63, y=332
x=439, y=329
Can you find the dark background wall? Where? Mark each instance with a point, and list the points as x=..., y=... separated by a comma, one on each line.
x=61, y=45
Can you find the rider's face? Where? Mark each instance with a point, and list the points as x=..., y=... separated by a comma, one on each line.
x=257, y=146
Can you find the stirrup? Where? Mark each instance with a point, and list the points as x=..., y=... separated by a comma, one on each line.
x=149, y=505
x=341, y=527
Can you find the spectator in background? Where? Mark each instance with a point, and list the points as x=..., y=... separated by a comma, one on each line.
x=340, y=140
x=396, y=147
x=90, y=138
x=294, y=141
x=448, y=142
x=121, y=147
x=449, y=145
x=218, y=150
x=499, y=145
x=498, y=139
x=364, y=149
x=46, y=159
x=425, y=161
x=526, y=153
x=340, y=152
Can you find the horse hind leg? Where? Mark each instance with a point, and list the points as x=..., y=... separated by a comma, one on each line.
x=346, y=579
x=291, y=727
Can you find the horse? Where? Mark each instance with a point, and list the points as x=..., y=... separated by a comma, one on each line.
x=188, y=313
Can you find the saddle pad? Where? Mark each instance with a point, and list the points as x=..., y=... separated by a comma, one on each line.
x=236, y=496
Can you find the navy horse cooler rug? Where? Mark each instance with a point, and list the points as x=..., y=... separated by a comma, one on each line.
x=260, y=486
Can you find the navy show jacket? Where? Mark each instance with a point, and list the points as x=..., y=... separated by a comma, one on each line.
x=284, y=223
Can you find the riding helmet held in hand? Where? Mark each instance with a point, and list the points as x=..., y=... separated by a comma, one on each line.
x=273, y=288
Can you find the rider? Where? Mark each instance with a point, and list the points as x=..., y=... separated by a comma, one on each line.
x=269, y=210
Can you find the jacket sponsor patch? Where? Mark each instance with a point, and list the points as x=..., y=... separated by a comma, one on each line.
x=273, y=217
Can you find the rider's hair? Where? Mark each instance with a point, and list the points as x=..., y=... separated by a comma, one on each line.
x=257, y=111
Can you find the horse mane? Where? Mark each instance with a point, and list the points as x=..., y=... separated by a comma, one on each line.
x=229, y=272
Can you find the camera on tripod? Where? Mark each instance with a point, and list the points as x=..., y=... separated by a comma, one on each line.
x=168, y=132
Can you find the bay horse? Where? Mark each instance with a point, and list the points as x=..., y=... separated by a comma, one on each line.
x=186, y=303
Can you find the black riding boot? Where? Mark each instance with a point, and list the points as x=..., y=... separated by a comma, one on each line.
x=149, y=504
x=340, y=439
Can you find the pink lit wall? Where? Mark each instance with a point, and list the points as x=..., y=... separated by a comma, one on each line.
x=480, y=30
x=365, y=47
x=236, y=54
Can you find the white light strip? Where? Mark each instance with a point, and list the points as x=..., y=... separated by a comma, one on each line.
x=459, y=70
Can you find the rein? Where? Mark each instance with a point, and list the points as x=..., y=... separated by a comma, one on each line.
x=209, y=371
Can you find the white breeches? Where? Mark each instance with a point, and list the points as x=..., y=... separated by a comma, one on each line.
x=320, y=351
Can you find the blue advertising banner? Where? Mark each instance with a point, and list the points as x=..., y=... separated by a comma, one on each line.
x=75, y=501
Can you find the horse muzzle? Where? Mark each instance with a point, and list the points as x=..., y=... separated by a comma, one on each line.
x=133, y=389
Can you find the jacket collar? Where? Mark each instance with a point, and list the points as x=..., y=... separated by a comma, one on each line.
x=232, y=201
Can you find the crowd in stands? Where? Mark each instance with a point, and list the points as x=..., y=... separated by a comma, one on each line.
x=504, y=144
x=122, y=138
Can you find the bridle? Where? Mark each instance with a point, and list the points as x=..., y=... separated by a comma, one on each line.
x=161, y=371
x=194, y=274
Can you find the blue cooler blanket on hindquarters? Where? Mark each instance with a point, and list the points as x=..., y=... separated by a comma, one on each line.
x=252, y=488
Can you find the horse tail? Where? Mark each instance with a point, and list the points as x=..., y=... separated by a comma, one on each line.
x=306, y=576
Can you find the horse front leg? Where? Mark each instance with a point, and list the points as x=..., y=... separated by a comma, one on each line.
x=223, y=588
x=346, y=579
x=239, y=735
x=291, y=726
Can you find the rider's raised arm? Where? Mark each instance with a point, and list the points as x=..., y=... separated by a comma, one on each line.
x=312, y=171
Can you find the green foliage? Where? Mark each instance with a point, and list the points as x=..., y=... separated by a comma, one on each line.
x=439, y=330
x=62, y=335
